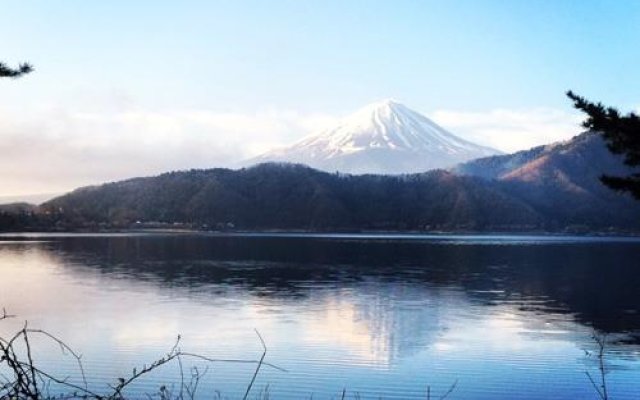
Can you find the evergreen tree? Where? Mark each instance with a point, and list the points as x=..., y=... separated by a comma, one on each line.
x=8, y=72
x=622, y=135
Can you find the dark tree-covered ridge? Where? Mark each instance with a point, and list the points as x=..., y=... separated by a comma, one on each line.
x=622, y=135
x=286, y=196
x=8, y=72
x=551, y=193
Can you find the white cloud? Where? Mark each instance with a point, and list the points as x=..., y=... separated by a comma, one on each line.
x=511, y=130
x=55, y=150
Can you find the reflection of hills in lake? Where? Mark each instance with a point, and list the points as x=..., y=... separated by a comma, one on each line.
x=338, y=312
x=578, y=279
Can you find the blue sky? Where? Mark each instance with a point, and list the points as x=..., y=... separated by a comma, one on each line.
x=242, y=76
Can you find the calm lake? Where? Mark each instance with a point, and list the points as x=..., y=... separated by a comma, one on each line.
x=506, y=317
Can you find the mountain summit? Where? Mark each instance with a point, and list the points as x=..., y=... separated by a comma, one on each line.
x=385, y=137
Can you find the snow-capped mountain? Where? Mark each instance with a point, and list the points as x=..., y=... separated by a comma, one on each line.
x=385, y=138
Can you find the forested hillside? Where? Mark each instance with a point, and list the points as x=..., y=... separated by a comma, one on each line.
x=562, y=181
x=287, y=196
x=551, y=188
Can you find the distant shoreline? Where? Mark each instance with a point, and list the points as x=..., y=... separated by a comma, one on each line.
x=373, y=235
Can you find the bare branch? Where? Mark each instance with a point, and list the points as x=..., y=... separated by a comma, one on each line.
x=451, y=389
x=255, y=374
x=64, y=347
x=30, y=382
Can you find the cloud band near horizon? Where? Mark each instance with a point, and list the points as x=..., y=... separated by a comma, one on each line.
x=54, y=150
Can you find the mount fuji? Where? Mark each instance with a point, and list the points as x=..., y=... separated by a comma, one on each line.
x=382, y=138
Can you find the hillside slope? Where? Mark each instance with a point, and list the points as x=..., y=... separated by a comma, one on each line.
x=562, y=180
x=285, y=196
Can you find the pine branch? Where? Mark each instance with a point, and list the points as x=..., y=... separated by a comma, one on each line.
x=8, y=72
x=621, y=134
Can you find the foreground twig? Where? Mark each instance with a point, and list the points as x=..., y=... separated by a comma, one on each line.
x=451, y=389
x=255, y=374
x=601, y=388
x=27, y=381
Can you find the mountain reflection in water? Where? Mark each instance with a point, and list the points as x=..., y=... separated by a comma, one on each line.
x=341, y=308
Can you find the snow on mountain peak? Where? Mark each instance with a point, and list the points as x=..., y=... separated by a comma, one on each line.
x=382, y=137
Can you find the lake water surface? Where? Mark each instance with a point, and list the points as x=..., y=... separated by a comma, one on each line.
x=506, y=317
